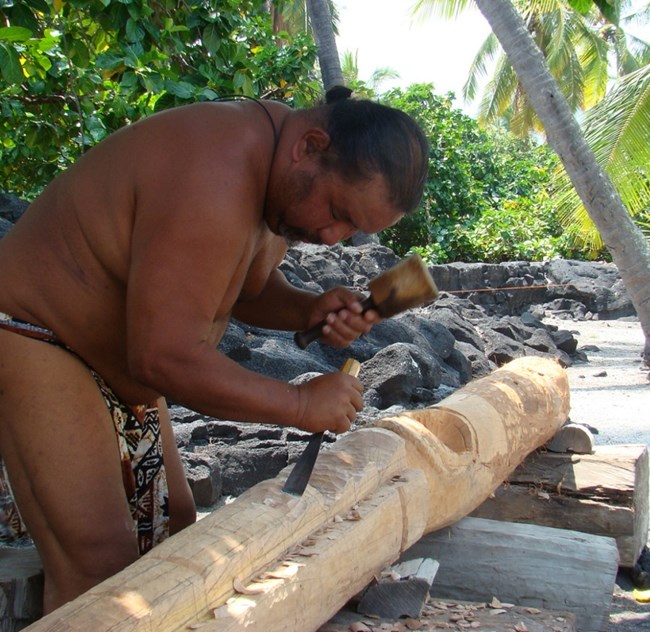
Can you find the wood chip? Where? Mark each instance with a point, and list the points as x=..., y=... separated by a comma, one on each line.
x=413, y=624
x=246, y=590
x=353, y=515
x=359, y=627
x=521, y=627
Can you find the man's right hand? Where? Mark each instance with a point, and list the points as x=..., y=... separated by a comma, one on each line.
x=329, y=402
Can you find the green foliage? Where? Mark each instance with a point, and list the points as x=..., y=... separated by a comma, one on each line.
x=73, y=71
x=486, y=198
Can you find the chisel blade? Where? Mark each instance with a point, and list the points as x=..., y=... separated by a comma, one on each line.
x=298, y=479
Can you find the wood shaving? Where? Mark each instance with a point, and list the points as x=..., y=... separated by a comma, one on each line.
x=239, y=587
x=337, y=518
x=521, y=627
x=353, y=515
x=533, y=610
x=413, y=624
x=495, y=603
x=359, y=627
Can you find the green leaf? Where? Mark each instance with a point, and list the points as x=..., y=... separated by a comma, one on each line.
x=609, y=9
x=134, y=32
x=12, y=71
x=15, y=34
x=211, y=39
x=581, y=6
x=181, y=89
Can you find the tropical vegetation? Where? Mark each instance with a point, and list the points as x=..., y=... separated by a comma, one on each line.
x=75, y=70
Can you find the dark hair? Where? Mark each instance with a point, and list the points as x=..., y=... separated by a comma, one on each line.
x=367, y=138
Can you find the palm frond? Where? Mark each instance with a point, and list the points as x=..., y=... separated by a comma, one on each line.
x=498, y=93
x=448, y=9
x=618, y=130
x=478, y=69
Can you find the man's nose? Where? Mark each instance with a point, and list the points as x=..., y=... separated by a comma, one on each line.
x=335, y=232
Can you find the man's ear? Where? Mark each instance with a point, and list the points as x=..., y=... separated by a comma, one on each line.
x=314, y=141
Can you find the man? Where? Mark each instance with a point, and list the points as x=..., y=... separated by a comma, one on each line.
x=118, y=282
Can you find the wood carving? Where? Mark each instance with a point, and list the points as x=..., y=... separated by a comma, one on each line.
x=273, y=561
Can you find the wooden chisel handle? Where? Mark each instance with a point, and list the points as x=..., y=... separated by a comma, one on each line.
x=305, y=338
x=299, y=477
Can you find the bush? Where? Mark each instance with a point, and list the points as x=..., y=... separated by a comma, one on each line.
x=487, y=196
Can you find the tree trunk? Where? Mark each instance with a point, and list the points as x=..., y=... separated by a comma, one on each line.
x=629, y=249
x=328, y=55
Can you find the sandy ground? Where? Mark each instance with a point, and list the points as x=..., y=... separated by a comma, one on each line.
x=611, y=393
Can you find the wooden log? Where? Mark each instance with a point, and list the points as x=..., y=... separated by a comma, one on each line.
x=377, y=472
x=572, y=438
x=605, y=493
x=469, y=443
x=524, y=564
x=21, y=588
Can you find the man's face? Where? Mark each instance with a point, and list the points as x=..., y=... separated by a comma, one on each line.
x=321, y=207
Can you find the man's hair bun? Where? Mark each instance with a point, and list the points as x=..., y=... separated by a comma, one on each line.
x=336, y=94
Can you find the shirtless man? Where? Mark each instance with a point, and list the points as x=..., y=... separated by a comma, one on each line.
x=118, y=282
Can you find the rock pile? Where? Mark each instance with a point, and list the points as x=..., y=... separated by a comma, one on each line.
x=412, y=360
x=487, y=314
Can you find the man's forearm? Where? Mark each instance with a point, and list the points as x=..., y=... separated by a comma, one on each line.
x=279, y=306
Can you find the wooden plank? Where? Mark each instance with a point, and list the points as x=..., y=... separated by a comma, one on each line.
x=459, y=450
x=605, y=493
x=524, y=564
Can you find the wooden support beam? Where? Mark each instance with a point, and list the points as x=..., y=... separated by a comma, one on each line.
x=524, y=564
x=384, y=475
x=605, y=493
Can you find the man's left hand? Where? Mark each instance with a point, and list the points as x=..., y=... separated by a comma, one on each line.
x=344, y=318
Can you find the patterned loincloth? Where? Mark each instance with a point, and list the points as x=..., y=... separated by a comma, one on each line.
x=137, y=428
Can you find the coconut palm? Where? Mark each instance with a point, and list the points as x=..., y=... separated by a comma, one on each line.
x=618, y=130
x=629, y=249
x=366, y=88
x=578, y=49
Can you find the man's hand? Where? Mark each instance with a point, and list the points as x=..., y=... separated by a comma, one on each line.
x=329, y=402
x=345, y=321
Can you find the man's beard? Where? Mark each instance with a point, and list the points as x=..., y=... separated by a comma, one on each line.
x=299, y=188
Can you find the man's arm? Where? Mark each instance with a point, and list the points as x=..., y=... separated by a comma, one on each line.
x=283, y=306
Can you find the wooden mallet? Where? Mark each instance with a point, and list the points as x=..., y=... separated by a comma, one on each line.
x=405, y=285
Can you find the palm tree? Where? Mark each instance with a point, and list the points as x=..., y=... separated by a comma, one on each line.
x=578, y=49
x=364, y=88
x=629, y=249
x=618, y=130
x=322, y=25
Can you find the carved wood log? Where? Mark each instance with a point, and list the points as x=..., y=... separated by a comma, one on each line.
x=371, y=496
x=605, y=493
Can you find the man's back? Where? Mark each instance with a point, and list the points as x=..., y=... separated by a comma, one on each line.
x=154, y=194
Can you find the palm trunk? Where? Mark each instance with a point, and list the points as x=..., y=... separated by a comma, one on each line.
x=328, y=55
x=629, y=249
